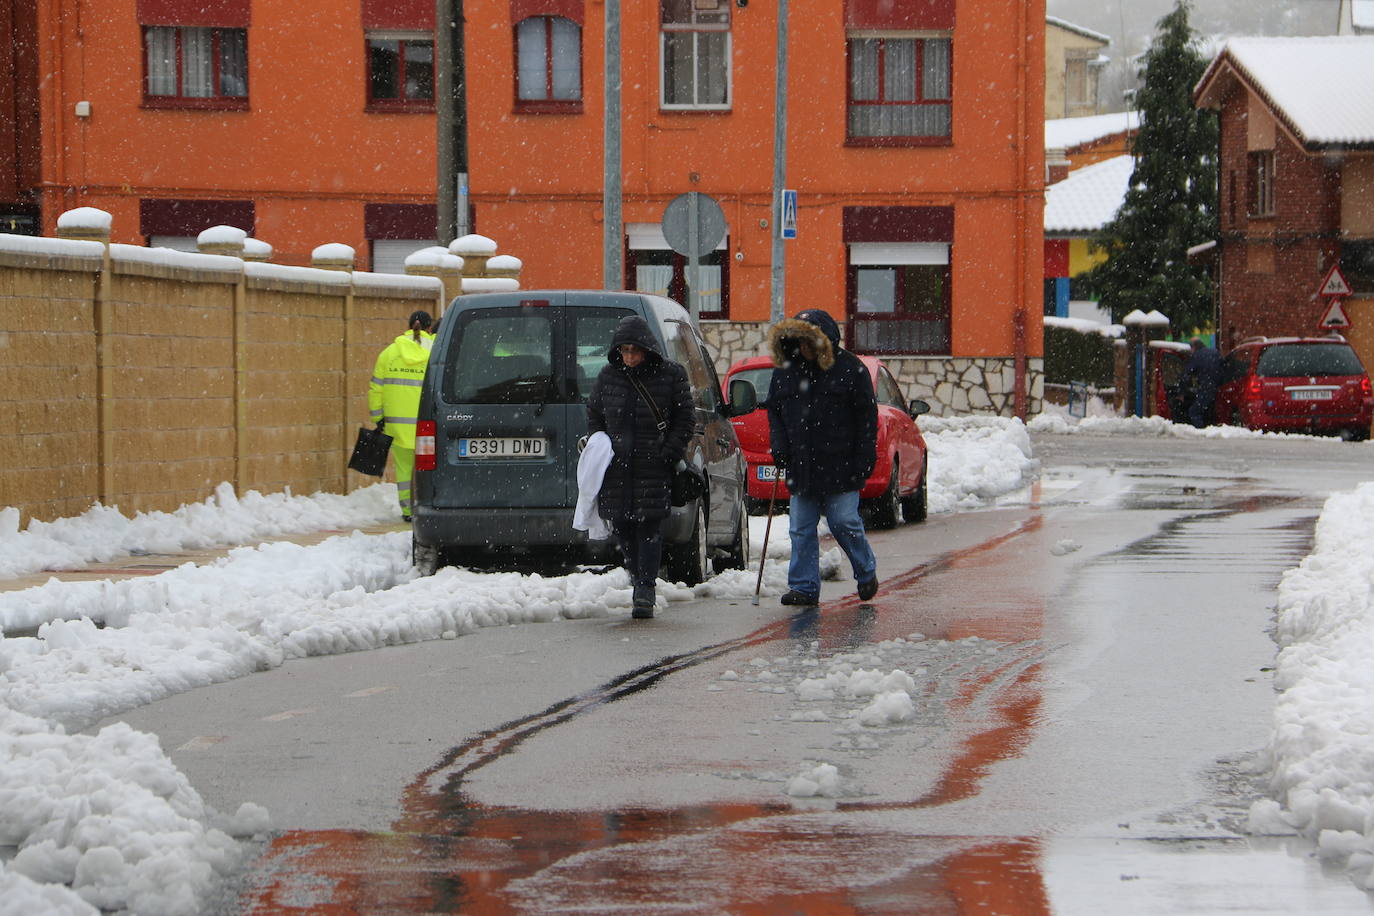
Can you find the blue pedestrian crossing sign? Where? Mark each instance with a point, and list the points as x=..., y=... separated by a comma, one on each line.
x=787, y=220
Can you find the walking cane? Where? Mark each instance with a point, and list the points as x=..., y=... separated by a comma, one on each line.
x=767, y=527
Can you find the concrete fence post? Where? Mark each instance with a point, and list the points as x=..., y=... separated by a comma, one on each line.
x=90, y=224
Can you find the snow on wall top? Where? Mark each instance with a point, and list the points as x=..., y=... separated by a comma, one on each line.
x=1066, y=133
x=86, y=218
x=1089, y=197
x=1322, y=86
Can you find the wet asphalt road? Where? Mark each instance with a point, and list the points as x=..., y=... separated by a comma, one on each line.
x=1090, y=667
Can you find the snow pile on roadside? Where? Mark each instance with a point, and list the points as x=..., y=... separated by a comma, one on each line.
x=103, y=532
x=82, y=808
x=1321, y=753
x=1140, y=427
x=973, y=460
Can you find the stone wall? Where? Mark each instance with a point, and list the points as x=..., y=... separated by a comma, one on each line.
x=953, y=386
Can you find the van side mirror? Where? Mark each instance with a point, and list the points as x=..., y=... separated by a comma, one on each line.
x=743, y=398
x=918, y=407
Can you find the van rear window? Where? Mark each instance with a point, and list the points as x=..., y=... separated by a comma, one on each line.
x=501, y=357
x=1308, y=359
x=526, y=355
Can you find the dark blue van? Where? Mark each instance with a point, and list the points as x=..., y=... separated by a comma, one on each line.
x=503, y=418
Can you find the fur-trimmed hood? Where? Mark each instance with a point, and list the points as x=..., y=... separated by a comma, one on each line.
x=814, y=326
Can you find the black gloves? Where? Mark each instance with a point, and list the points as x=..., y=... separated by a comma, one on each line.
x=381, y=425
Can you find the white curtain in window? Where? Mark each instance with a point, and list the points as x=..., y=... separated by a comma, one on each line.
x=935, y=73
x=197, y=67
x=899, y=70
x=863, y=69
x=567, y=59
x=532, y=44
x=708, y=276
x=655, y=278
x=162, y=61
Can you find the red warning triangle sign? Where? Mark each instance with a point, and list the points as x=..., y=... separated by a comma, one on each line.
x=1335, y=316
x=1334, y=284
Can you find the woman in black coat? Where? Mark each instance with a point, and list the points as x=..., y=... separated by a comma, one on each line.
x=636, y=493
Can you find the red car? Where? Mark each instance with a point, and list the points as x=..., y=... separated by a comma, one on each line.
x=1296, y=384
x=897, y=487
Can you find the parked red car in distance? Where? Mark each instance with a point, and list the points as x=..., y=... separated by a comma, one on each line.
x=895, y=491
x=1296, y=384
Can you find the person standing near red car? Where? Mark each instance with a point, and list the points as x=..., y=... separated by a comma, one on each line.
x=823, y=426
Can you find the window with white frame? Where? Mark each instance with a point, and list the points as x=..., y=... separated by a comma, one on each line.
x=695, y=48
x=899, y=88
x=548, y=74
x=194, y=66
x=400, y=70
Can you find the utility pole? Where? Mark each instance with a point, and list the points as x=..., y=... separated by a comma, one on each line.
x=612, y=246
x=450, y=104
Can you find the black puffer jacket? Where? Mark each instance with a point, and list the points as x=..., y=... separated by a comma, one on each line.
x=822, y=414
x=638, y=480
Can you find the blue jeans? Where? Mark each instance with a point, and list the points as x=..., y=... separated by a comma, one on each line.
x=842, y=515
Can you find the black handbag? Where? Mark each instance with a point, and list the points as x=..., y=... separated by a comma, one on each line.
x=369, y=452
x=687, y=484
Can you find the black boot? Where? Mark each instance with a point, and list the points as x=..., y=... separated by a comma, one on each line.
x=644, y=600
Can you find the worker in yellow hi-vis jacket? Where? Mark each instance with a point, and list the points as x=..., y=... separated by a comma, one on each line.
x=393, y=397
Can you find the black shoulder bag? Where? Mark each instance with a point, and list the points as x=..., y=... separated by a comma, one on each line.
x=687, y=483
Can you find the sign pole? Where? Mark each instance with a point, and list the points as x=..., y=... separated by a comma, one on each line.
x=693, y=243
x=612, y=244
x=777, y=306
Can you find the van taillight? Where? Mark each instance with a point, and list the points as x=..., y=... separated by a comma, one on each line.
x=1366, y=388
x=1252, y=388
x=424, y=445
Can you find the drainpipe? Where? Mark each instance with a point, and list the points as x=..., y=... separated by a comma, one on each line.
x=1018, y=330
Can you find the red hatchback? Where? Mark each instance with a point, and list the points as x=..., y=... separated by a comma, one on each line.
x=897, y=487
x=1296, y=384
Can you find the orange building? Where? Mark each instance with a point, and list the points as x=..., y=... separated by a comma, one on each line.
x=914, y=143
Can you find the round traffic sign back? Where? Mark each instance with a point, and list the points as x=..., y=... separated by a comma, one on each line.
x=677, y=223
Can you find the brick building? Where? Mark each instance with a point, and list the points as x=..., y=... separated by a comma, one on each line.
x=914, y=145
x=1296, y=183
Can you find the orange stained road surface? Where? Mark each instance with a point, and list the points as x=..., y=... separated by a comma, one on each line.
x=449, y=855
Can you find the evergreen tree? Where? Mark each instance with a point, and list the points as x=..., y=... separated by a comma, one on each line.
x=1171, y=203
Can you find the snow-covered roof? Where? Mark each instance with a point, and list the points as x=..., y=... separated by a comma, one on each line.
x=1072, y=27
x=1088, y=198
x=1321, y=87
x=1066, y=133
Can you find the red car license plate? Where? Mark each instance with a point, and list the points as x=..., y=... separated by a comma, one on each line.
x=767, y=472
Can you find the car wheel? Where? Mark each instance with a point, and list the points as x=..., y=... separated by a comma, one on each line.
x=425, y=559
x=887, y=508
x=738, y=555
x=914, y=506
x=687, y=561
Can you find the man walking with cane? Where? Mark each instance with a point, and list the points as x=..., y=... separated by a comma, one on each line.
x=823, y=425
